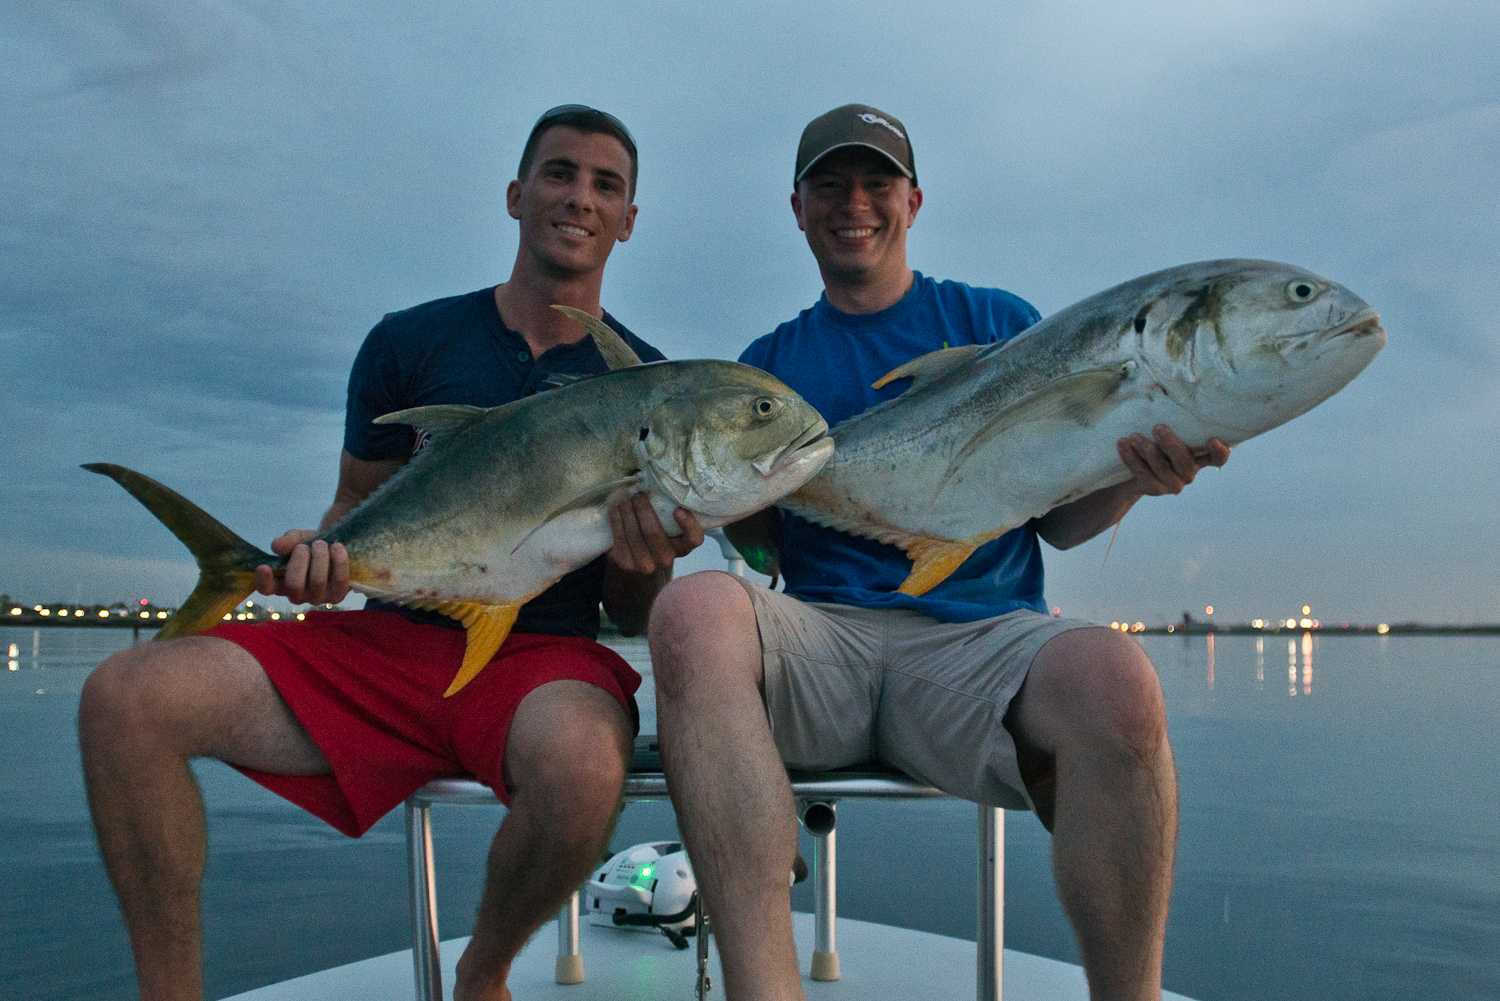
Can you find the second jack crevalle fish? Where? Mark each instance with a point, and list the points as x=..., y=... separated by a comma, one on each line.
x=503, y=502
x=989, y=436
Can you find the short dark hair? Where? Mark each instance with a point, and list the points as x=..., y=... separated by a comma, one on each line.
x=584, y=119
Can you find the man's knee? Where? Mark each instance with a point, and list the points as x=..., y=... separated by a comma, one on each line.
x=1106, y=688
x=569, y=744
x=693, y=621
x=121, y=700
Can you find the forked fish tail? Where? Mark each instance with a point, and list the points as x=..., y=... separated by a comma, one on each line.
x=226, y=562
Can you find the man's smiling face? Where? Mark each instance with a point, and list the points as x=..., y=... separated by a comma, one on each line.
x=575, y=202
x=855, y=208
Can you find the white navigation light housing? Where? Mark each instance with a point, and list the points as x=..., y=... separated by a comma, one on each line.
x=643, y=888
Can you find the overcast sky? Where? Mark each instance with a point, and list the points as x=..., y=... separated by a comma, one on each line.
x=207, y=204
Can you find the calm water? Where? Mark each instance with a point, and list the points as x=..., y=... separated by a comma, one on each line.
x=1340, y=836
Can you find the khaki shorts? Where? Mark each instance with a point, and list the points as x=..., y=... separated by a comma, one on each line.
x=848, y=686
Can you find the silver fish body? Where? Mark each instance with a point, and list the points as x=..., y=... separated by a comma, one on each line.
x=504, y=502
x=990, y=436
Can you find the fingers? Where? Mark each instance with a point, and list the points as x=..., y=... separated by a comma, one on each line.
x=338, y=577
x=1166, y=465
x=649, y=540
x=294, y=583
x=287, y=541
x=692, y=532
x=316, y=573
x=1150, y=466
x=641, y=543
x=1218, y=453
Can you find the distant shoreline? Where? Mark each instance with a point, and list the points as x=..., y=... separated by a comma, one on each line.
x=1394, y=629
x=34, y=620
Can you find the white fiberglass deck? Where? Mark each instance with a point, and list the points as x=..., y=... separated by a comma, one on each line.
x=878, y=962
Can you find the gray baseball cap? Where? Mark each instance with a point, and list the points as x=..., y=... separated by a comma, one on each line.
x=855, y=125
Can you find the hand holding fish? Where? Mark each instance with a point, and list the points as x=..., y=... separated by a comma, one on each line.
x=1166, y=465
x=639, y=562
x=316, y=573
x=641, y=545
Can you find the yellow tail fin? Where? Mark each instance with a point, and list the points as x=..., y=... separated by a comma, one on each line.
x=226, y=562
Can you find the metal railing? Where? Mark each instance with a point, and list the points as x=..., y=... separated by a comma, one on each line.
x=816, y=796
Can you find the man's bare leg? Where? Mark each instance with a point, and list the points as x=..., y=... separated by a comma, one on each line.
x=565, y=762
x=734, y=804
x=143, y=714
x=1091, y=710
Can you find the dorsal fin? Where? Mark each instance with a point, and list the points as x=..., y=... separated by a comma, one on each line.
x=438, y=419
x=933, y=365
x=617, y=354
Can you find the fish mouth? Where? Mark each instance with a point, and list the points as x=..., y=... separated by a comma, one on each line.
x=1363, y=325
x=810, y=438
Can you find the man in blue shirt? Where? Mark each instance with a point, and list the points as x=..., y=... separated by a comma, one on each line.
x=344, y=713
x=970, y=687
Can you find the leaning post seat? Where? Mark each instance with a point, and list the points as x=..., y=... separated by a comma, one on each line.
x=817, y=795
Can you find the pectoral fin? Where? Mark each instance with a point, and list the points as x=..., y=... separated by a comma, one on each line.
x=1084, y=397
x=487, y=626
x=612, y=346
x=932, y=561
x=932, y=365
x=592, y=495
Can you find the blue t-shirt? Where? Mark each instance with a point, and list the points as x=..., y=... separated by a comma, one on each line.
x=459, y=350
x=832, y=358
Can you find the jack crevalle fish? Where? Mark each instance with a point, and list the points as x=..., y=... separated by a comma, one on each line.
x=989, y=436
x=504, y=501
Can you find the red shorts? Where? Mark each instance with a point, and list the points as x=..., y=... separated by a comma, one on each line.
x=368, y=686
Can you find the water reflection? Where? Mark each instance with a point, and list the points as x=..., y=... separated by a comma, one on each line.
x=1260, y=661
x=1291, y=667
x=1210, y=661
x=1307, y=644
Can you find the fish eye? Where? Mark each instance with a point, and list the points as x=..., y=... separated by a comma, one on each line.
x=1300, y=290
x=765, y=407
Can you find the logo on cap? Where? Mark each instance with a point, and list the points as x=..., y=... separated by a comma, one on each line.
x=870, y=119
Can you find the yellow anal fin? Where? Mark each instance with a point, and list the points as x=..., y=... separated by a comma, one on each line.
x=932, y=561
x=487, y=626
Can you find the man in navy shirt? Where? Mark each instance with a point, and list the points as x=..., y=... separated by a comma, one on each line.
x=971, y=687
x=343, y=713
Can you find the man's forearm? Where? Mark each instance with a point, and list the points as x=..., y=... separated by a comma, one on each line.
x=628, y=596
x=334, y=515
x=1076, y=523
